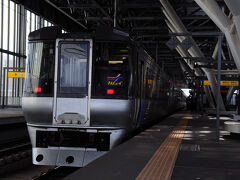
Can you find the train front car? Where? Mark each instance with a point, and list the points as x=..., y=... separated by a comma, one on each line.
x=67, y=126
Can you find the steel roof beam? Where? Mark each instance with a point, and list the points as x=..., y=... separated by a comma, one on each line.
x=213, y=10
x=234, y=6
x=95, y=19
x=47, y=11
x=162, y=27
x=66, y=14
x=143, y=18
x=102, y=10
x=139, y=18
x=80, y=6
x=177, y=26
x=195, y=11
x=153, y=5
x=227, y=26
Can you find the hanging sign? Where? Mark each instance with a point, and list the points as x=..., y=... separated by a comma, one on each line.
x=223, y=83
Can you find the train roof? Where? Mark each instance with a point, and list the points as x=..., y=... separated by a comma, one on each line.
x=102, y=33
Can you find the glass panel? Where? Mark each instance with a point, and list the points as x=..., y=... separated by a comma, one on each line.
x=5, y=24
x=27, y=28
x=1, y=23
x=4, y=63
x=40, y=69
x=73, y=68
x=17, y=17
x=111, y=70
x=11, y=30
x=32, y=22
x=37, y=22
x=10, y=80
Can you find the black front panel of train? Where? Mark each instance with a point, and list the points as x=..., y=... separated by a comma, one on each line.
x=111, y=70
x=73, y=138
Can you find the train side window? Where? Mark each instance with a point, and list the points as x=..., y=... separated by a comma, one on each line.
x=73, y=69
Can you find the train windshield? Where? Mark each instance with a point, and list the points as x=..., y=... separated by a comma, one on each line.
x=73, y=78
x=111, y=73
x=40, y=69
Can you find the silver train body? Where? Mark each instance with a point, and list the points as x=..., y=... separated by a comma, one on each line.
x=75, y=118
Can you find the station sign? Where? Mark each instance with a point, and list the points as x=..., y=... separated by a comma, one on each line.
x=223, y=83
x=14, y=74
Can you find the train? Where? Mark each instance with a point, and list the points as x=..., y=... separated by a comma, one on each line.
x=86, y=92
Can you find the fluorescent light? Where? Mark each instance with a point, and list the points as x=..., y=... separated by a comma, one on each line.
x=115, y=62
x=124, y=50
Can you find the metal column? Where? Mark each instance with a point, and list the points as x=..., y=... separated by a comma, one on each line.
x=218, y=85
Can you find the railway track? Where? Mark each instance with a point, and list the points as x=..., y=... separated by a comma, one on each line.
x=15, y=147
x=15, y=157
x=56, y=173
x=14, y=142
x=19, y=150
x=11, y=134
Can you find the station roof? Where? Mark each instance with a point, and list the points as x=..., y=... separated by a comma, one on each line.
x=143, y=19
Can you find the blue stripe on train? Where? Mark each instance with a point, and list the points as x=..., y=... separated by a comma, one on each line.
x=141, y=112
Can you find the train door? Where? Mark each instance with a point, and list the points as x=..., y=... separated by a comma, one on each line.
x=72, y=84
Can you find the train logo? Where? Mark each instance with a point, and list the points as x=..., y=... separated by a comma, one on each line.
x=115, y=81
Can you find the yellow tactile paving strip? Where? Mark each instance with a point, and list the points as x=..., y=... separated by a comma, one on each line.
x=161, y=165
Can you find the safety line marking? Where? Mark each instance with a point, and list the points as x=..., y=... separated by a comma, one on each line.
x=161, y=165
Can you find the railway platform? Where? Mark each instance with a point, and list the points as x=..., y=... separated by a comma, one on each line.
x=182, y=146
x=11, y=116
